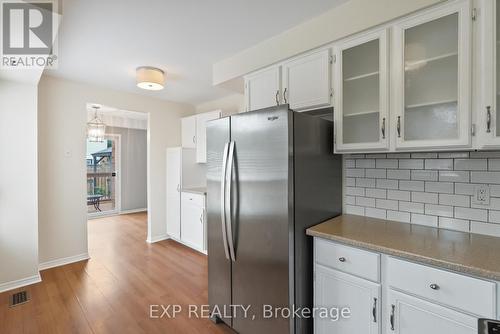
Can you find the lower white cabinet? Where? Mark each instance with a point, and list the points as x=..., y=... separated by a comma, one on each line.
x=408, y=298
x=337, y=289
x=193, y=220
x=411, y=315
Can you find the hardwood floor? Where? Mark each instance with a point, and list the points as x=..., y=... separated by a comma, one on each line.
x=113, y=291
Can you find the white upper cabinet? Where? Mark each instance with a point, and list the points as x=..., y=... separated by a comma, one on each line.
x=307, y=81
x=188, y=128
x=431, y=79
x=488, y=117
x=194, y=133
x=263, y=88
x=362, y=93
x=201, y=134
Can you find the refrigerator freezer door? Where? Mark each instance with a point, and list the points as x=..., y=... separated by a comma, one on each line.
x=262, y=223
x=219, y=266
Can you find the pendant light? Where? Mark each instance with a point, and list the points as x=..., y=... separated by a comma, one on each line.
x=96, y=129
x=150, y=78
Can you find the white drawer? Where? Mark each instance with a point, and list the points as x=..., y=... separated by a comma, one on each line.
x=458, y=291
x=348, y=259
x=192, y=198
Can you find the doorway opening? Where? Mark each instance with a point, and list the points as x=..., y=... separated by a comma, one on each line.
x=117, y=162
x=103, y=176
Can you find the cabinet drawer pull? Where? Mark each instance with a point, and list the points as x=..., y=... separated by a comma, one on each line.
x=342, y=259
x=277, y=97
x=488, y=119
x=383, y=128
x=434, y=286
x=399, y=126
x=391, y=318
x=374, y=310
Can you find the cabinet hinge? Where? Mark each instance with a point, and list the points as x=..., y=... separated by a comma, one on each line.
x=474, y=14
x=473, y=130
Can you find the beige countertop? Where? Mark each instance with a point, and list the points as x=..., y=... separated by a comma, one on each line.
x=468, y=253
x=197, y=190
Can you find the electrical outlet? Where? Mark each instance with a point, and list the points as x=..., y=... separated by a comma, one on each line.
x=481, y=194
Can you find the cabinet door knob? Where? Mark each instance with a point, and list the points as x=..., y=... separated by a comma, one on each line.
x=342, y=259
x=434, y=286
x=488, y=119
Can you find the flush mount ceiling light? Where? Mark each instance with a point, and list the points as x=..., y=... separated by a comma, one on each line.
x=150, y=78
x=96, y=129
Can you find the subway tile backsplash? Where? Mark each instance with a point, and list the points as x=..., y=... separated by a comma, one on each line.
x=432, y=189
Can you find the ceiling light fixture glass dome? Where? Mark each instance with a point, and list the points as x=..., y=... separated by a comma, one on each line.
x=150, y=78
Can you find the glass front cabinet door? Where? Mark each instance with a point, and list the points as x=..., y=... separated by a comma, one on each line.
x=488, y=118
x=361, y=90
x=432, y=73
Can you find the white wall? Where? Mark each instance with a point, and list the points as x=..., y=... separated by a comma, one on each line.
x=229, y=105
x=18, y=183
x=62, y=122
x=349, y=18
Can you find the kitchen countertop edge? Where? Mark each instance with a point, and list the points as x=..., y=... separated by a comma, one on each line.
x=422, y=259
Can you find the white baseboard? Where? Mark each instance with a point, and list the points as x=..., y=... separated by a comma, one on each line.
x=152, y=240
x=63, y=261
x=126, y=212
x=20, y=283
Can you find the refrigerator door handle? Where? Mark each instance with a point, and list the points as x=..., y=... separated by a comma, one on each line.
x=223, y=199
x=229, y=182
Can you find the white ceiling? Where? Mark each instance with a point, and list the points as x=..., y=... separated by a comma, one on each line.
x=103, y=41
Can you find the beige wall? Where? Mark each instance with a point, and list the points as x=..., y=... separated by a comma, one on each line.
x=229, y=105
x=347, y=19
x=18, y=184
x=61, y=126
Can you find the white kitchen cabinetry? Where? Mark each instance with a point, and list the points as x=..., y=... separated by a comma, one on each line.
x=173, y=205
x=336, y=289
x=193, y=225
x=407, y=298
x=263, y=88
x=182, y=172
x=362, y=93
x=431, y=79
x=488, y=108
x=194, y=133
x=307, y=81
x=188, y=128
x=201, y=133
x=411, y=315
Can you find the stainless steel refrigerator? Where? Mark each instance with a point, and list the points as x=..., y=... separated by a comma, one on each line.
x=271, y=174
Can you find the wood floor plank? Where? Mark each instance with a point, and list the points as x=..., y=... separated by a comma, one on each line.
x=112, y=292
